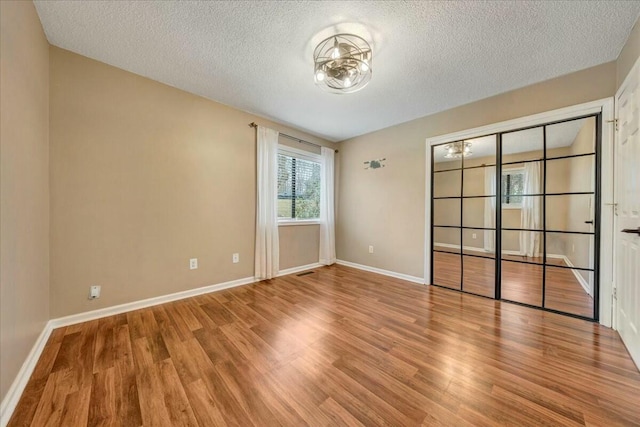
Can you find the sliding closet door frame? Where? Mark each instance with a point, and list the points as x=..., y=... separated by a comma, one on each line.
x=604, y=197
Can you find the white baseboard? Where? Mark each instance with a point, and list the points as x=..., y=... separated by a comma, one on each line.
x=293, y=270
x=578, y=276
x=402, y=276
x=149, y=302
x=14, y=393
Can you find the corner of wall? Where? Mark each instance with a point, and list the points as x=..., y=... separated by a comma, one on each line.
x=628, y=55
x=24, y=193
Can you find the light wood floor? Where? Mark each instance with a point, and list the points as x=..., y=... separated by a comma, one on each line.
x=520, y=282
x=336, y=347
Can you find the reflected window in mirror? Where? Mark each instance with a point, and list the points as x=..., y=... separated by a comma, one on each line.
x=512, y=188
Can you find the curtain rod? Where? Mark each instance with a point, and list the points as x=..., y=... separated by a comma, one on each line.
x=254, y=125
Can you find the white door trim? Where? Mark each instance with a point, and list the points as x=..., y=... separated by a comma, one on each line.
x=624, y=307
x=604, y=106
x=614, y=307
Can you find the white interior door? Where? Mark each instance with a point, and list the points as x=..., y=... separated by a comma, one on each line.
x=627, y=231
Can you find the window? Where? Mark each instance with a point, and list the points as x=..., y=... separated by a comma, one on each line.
x=512, y=188
x=298, y=186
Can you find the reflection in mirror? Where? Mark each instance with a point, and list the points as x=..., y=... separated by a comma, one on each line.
x=479, y=276
x=518, y=245
x=446, y=212
x=571, y=138
x=522, y=282
x=475, y=152
x=523, y=212
x=447, y=270
x=447, y=184
x=570, y=249
x=446, y=239
x=480, y=181
x=442, y=160
x=574, y=212
x=482, y=152
x=569, y=290
x=571, y=175
x=479, y=242
x=473, y=212
x=522, y=145
x=521, y=179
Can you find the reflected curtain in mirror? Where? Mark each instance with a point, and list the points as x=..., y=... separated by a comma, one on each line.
x=489, y=208
x=531, y=215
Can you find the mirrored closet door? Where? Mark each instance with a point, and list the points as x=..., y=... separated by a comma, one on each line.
x=464, y=197
x=529, y=195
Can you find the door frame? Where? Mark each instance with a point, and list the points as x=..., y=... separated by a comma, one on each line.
x=606, y=108
x=621, y=88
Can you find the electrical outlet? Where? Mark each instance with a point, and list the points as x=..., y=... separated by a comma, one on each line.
x=573, y=248
x=370, y=249
x=193, y=264
x=474, y=235
x=236, y=258
x=94, y=292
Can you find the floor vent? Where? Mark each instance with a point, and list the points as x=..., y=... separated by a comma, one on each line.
x=306, y=273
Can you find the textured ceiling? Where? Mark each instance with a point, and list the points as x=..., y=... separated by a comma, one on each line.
x=428, y=56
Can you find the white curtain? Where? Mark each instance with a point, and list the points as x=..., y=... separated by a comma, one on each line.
x=267, y=257
x=327, y=208
x=489, y=208
x=531, y=216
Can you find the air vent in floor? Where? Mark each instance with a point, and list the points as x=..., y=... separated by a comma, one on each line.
x=306, y=273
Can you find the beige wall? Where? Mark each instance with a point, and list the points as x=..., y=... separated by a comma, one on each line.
x=24, y=185
x=385, y=207
x=629, y=54
x=144, y=177
x=299, y=245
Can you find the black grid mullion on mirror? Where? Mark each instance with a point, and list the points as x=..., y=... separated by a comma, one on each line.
x=433, y=172
x=461, y=225
x=490, y=165
x=447, y=170
x=544, y=216
x=571, y=156
x=497, y=239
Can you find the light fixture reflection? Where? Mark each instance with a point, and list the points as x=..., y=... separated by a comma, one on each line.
x=456, y=150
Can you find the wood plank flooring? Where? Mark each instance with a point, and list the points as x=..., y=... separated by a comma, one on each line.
x=336, y=347
x=520, y=282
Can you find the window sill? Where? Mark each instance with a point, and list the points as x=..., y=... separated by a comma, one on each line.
x=288, y=222
x=511, y=206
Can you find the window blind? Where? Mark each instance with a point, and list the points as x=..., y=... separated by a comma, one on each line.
x=298, y=188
